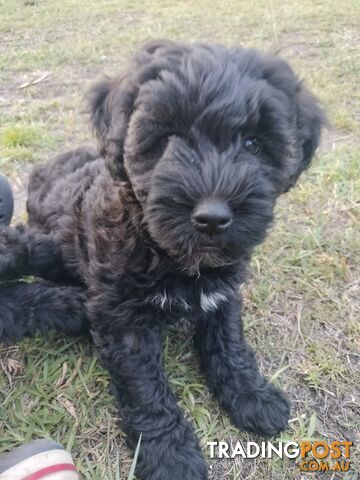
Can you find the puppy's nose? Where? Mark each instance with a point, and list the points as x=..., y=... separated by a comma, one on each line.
x=212, y=216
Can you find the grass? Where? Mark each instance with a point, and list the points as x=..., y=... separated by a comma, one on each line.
x=302, y=302
x=22, y=143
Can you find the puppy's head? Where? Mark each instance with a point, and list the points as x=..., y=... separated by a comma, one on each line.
x=208, y=136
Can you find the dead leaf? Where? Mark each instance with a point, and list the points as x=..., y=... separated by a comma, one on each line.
x=69, y=407
x=61, y=380
x=13, y=366
x=36, y=81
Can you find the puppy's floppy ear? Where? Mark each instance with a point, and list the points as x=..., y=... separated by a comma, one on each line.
x=309, y=123
x=111, y=103
x=310, y=120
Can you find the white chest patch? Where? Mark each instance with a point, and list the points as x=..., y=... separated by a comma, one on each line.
x=167, y=302
x=210, y=302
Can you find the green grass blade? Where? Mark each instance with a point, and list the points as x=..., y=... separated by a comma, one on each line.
x=133, y=465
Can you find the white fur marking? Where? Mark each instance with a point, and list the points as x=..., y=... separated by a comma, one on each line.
x=211, y=301
x=164, y=301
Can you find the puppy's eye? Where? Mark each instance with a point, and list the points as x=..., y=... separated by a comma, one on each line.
x=251, y=144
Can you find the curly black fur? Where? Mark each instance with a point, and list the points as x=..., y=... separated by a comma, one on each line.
x=184, y=124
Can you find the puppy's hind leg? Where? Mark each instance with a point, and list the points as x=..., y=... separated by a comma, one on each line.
x=26, y=308
x=26, y=251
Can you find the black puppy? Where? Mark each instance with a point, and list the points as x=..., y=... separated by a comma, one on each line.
x=196, y=143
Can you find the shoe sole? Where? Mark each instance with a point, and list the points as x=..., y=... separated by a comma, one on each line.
x=6, y=201
x=38, y=460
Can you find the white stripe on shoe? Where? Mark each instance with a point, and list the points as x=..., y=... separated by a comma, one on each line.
x=47, y=465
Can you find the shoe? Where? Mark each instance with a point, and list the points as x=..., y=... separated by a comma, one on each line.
x=38, y=460
x=6, y=201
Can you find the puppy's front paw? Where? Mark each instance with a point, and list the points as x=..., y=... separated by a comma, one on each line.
x=175, y=456
x=265, y=411
x=181, y=467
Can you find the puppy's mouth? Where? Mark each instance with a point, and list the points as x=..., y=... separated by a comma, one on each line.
x=204, y=256
x=208, y=249
x=207, y=246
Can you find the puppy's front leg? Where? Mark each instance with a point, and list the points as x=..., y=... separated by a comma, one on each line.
x=131, y=350
x=230, y=367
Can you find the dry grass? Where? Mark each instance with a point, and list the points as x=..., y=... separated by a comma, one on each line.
x=302, y=304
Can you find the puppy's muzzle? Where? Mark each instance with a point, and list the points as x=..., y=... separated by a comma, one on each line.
x=212, y=216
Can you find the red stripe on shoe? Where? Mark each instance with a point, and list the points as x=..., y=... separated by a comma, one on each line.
x=61, y=467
